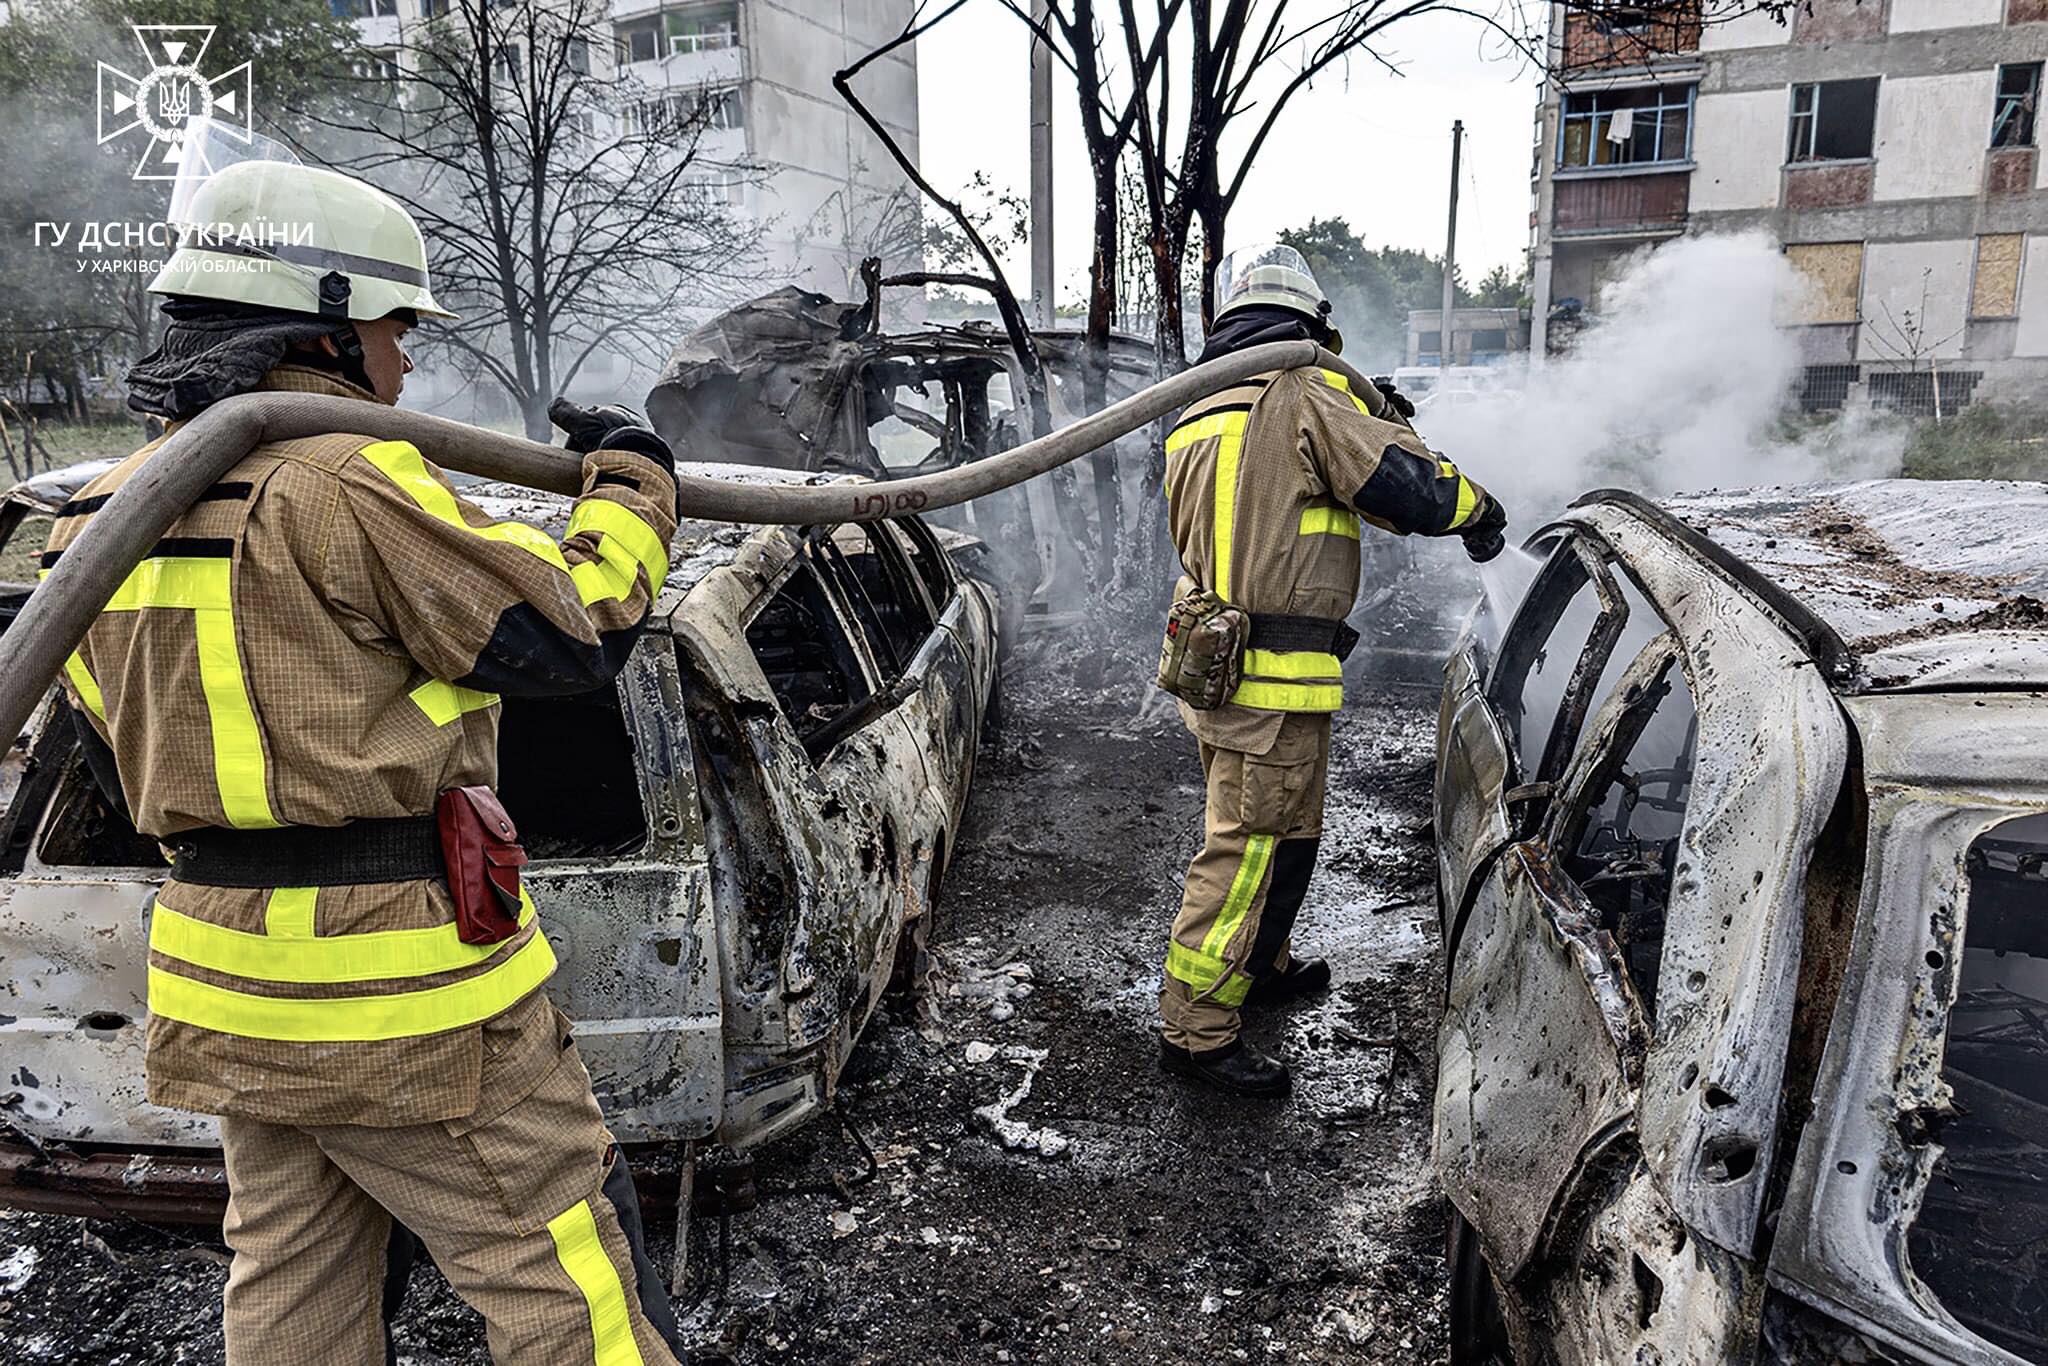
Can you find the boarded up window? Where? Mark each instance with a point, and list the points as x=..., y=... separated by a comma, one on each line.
x=1996, y=293
x=1835, y=271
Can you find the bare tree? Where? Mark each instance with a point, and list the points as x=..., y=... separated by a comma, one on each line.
x=570, y=209
x=995, y=282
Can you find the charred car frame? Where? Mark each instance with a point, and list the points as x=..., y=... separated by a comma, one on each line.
x=1743, y=845
x=766, y=802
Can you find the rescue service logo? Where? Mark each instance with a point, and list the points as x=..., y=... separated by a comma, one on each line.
x=173, y=90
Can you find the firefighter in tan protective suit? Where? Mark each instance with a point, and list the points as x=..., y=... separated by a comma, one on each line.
x=1269, y=484
x=277, y=694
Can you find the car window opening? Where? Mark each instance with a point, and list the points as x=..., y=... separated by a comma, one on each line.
x=804, y=651
x=601, y=815
x=1544, y=649
x=875, y=556
x=1981, y=1240
x=540, y=739
x=1625, y=853
x=867, y=617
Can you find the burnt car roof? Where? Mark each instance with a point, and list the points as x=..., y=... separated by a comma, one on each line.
x=50, y=490
x=698, y=548
x=1910, y=583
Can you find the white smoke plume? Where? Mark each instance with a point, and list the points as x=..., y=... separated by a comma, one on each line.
x=1682, y=384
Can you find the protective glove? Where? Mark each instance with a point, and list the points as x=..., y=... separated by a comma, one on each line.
x=588, y=427
x=1399, y=401
x=1483, y=538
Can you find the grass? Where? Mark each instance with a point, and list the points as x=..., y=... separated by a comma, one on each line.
x=67, y=443
x=1984, y=441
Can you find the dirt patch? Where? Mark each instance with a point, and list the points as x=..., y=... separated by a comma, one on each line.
x=1165, y=1225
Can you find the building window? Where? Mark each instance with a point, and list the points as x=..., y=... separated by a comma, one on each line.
x=723, y=109
x=1834, y=278
x=377, y=64
x=2012, y=115
x=1995, y=289
x=1636, y=127
x=639, y=42
x=578, y=56
x=1833, y=120
x=1825, y=388
x=1624, y=19
x=1924, y=393
x=705, y=30
x=703, y=192
x=363, y=9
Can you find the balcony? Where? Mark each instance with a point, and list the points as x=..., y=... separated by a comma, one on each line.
x=1651, y=205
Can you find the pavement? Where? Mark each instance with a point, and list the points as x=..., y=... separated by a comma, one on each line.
x=1041, y=1191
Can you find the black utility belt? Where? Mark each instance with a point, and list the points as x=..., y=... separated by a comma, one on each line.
x=404, y=849
x=1279, y=631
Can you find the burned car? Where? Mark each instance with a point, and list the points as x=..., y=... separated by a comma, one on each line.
x=766, y=800
x=1742, y=820
x=797, y=380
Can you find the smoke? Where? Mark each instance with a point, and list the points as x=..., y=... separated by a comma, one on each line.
x=1682, y=384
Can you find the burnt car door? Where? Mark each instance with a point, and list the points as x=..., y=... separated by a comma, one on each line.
x=1545, y=1025
x=1917, y=1209
x=816, y=805
x=1508, y=716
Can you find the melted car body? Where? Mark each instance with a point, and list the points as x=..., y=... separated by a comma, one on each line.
x=729, y=845
x=1743, y=839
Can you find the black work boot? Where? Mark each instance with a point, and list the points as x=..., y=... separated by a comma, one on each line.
x=1304, y=977
x=1236, y=1067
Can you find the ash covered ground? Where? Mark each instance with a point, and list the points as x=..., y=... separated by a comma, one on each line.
x=1100, y=1214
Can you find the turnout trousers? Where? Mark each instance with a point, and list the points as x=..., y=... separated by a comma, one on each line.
x=530, y=1214
x=1245, y=887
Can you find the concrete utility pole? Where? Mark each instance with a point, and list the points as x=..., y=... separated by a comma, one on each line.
x=1041, y=170
x=1443, y=331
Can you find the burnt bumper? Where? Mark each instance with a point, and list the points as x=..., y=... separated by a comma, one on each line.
x=190, y=1186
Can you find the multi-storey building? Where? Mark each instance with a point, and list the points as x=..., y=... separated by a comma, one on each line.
x=780, y=144
x=827, y=192
x=1890, y=146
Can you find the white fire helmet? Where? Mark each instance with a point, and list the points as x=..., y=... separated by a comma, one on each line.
x=1271, y=274
x=255, y=226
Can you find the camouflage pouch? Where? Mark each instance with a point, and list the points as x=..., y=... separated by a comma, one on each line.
x=1202, y=661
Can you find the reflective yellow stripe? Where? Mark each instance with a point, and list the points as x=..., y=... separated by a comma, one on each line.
x=88, y=690
x=1468, y=497
x=403, y=465
x=279, y=956
x=195, y=584
x=1228, y=449
x=347, y=1019
x=582, y=1255
x=1251, y=874
x=1323, y=520
x=1201, y=972
x=203, y=586
x=443, y=702
x=1337, y=380
x=287, y=914
x=1290, y=696
x=237, y=745
x=1292, y=664
x=626, y=544
x=1202, y=428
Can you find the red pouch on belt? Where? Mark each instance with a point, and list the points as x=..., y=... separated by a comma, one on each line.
x=483, y=854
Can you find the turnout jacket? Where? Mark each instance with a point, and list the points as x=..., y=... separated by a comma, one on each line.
x=1268, y=483
x=324, y=638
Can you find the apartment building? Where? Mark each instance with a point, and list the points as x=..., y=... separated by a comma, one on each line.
x=825, y=192
x=831, y=194
x=1891, y=146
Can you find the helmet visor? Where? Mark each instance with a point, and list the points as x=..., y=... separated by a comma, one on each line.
x=208, y=148
x=1260, y=268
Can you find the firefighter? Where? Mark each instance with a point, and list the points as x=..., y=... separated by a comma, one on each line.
x=279, y=691
x=1269, y=485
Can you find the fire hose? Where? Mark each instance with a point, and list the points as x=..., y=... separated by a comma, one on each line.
x=198, y=454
